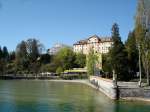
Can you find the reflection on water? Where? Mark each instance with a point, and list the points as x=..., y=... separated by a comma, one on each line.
x=47, y=96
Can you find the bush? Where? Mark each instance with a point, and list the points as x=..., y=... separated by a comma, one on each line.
x=59, y=70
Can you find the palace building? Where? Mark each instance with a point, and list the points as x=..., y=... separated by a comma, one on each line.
x=98, y=44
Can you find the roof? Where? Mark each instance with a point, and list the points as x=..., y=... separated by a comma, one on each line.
x=95, y=37
x=103, y=39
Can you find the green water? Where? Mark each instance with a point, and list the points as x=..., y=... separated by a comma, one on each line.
x=47, y=96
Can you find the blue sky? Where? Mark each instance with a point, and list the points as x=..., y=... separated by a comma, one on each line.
x=62, y=21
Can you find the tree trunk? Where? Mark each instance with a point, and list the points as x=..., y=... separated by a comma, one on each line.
x=148, y=81
x=147, y=73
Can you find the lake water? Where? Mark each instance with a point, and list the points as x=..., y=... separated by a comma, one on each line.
x=48, y=96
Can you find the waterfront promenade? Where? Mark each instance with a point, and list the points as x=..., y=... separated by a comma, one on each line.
x=123, y=90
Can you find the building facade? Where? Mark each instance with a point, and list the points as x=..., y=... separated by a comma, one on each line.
x=99, y=45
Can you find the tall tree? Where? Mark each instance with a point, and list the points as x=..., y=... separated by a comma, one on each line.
x=28, y=55
x=118, y=55
x=142, y=28
x=12, y=56
x=22, y=61
x=32, y=46
x=146, y=59
x=1, y=61
x=132, y=51
x=2, y=66
x=5, y=53
x=1, y=53
x=91, y=62
x=106, y=64
x=143, y=13
x=4, y=56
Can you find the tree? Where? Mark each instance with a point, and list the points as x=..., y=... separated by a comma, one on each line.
x=12, y=56
x=142, y=28
x=91, y=62
x=2, y=66
x=65, y=58
x=132, y=52
x=28, y=55
x=1, y=53
x=4, y=56
x=59, y=70
x=1, y=62
x=80, y=60
x=146, y=58
x=33, y=49
x=143, y=13
x=5, y=53
x=118, y=55
x=106, y=64
x=143, y=41
x=22, y=61
x=45, y=58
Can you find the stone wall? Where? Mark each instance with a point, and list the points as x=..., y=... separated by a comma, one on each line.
x=105, y=85
x=123, y=90
x=134, y=92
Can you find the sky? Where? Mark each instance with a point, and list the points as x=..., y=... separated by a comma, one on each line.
x=62, y=21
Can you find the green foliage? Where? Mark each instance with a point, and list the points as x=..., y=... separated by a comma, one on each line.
x=12, y=56
x=106, y=64
x=80, y=60
x=142, y=28
x=22, y=60
x=2, y=67
x=59, y=70
x=140, y=33
x=91, y=62
x=33, y=49
x=46, y=68
x=4, y=59
x=65, y=58
x=144, y=42
x=10, y=68
x=132, y=51
x=45, y=58
x=28, y=55
x=5, y=53
x=1, y=53
x=118, y=55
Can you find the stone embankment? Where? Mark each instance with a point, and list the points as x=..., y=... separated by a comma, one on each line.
x=121, y=90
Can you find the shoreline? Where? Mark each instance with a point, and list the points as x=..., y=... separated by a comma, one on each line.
x=84, y=81
x=87, y=82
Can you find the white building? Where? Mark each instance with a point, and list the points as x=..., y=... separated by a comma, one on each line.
x=55, y=48
x=99, y=45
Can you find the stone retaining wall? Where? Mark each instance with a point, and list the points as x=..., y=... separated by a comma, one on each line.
x=105, y=85
x=134, y=92
x=122, y=90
